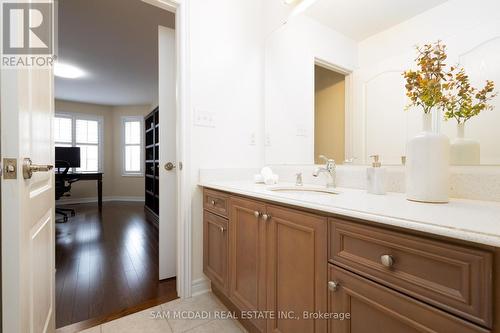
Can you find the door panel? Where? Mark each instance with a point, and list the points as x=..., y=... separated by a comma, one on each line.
x=247, y=265
x=40, y=253
x=168, y=152
x=215, y=242
x=297, y=276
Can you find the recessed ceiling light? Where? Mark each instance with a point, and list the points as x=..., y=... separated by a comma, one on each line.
x=67, y=71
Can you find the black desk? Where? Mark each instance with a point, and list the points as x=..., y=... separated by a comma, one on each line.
x=97, y=176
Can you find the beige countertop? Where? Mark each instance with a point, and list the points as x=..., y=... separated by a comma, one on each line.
x=469, y=220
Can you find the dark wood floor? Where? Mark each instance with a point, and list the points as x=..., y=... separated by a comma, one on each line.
x=106, y=263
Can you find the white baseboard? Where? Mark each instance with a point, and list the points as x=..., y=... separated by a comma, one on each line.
x=72, y=201
x=200, y=286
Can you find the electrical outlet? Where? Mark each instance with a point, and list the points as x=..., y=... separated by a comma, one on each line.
x=204, y=118
x=301, y=131
x=253, y=139
x=268, y=140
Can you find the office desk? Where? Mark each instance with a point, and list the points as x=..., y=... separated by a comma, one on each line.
x=97, y=176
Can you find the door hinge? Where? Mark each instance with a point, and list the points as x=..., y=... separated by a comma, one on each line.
x=9, y=168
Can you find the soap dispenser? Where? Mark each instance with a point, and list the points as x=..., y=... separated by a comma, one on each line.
x=376, y=177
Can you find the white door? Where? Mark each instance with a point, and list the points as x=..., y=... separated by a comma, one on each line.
x=27, y=204
x=168, y=178
x=27, y=103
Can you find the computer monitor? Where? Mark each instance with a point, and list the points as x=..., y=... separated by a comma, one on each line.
x=67, y=157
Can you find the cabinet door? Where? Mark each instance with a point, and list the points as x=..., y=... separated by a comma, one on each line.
x=297, y=270
x=247, y=257
x=376, y=309
x=215, y=246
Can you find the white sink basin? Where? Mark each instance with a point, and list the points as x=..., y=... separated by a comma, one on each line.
x=304, y=189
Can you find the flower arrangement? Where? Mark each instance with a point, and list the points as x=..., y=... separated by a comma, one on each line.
x=432, y=85
x=425, y=87
x=462, y=102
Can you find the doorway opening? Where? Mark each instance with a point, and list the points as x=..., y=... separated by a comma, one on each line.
x=329, y=114
x=115, y=107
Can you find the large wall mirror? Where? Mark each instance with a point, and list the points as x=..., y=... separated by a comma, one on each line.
x=336, y=88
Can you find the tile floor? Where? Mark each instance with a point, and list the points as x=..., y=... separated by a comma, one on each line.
x=155, y=320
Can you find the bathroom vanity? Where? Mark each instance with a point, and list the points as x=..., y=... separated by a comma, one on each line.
x=351, y=270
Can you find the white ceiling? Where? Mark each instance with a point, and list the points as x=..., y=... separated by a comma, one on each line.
x=360, y=19
x=116, y=43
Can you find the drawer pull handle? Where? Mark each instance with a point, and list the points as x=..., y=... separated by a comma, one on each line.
x=387, y=260
x=333, y=285
x=266, y=217
x=257, y=214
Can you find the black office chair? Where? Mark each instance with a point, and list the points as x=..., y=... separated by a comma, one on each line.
x=63, y=188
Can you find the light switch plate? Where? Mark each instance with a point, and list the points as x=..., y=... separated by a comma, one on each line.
x=203, y=118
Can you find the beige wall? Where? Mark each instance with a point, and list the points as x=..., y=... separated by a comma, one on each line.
x=114, y=184
x=329, y=120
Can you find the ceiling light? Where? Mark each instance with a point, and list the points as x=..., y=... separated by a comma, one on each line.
x=290, y=2
x=67, y=71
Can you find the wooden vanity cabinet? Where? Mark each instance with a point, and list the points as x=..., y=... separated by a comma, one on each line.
x=286, y=262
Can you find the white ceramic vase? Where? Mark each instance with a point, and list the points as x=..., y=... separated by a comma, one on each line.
x=428, y=165
x=464, y=151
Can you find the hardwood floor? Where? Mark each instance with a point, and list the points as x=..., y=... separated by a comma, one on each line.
x=107, y=263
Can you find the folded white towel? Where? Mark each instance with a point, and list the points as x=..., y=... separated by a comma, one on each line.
x=268, y=177
x=258, y=179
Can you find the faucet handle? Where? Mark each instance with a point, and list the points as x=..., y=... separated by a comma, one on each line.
x=326, y=159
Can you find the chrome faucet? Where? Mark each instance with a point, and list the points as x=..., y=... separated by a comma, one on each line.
x=330, y=169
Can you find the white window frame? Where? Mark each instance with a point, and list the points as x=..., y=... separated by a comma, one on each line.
x=100, y=140
x=139, y=119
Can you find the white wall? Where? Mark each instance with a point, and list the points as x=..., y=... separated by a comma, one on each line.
x=226, y=81
x=291, y=52
x=471, y=30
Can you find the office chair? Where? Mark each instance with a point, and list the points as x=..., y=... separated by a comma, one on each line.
x=63, y=189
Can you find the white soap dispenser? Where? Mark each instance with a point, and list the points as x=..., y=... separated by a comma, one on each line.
x=376, y=177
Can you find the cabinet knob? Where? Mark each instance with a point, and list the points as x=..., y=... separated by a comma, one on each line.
x=266, y=217
x=213, y=202
x=333, y=285
x=222, y=229
x=257, y=214
x=387, y=260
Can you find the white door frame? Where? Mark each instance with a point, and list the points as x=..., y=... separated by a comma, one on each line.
x=184, y=238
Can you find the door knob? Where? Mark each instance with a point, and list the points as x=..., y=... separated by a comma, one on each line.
x=169, y=166
x=29, y=168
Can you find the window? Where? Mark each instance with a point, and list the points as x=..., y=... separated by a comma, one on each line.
x=132, y=145
x=84, y=131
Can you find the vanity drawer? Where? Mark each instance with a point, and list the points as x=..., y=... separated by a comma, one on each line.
x=457, y=279
x=216, y=202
